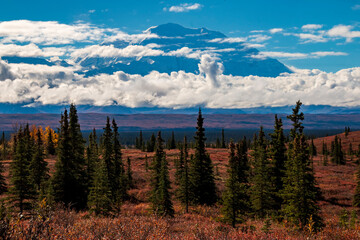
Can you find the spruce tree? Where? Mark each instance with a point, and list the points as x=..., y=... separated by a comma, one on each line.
x=22, y=189
x=77, y=144
x=50, y=145
x=300, y=193
x=118, y=179
x=202, y=187
x=223, y=144
x=262, y=189
x=172, y=143
x=242, y=168
x=235, y=201
x=337, y=154
x=278, y=156
x=38, y=166
x=92, y=158
x=100, y=197
x=160, y=196
x=4, y=147
x=312, y=149
x=356, y=199
x=183, y=176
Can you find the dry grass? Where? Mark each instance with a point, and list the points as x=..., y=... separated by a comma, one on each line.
x=137, y=222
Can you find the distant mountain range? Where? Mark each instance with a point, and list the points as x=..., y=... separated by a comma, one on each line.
x=7, y=108
x=174, y=48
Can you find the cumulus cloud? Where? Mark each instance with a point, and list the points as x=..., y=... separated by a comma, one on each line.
x=212, y=89
x=30, y=50
x=308, y=27
x=49, y=33
x=330, y=53
x=313, y=38
x=5, y=72
x=185, y=7
x=258, y=38
x=344, y=31
x=276, y=30
x=211, y=69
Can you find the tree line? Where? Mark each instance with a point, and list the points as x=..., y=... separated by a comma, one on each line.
x=268, y=177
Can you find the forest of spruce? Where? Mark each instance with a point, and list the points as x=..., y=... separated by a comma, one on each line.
x=55, y=184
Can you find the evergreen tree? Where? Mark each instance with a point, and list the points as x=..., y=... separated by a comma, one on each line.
x=338, y=155
x=107, y=148
x=278, y=156
x=38, y=166
x=300, y=193
x=160, y=183
x=3, y=186
x=141, y=141
x=77, y=144
x=183, y=176
x=172, y=142
x=50, y=146
x=235, y=197
x=262, y=189
x=223, y=144
x=242, y=168
x=202, y=187
x=356, y=200
x=92, y=158
x=312, y=149
x=69, y=180
x=100, y=197
x=118, y=180
x=22, y=189
x=150, y=146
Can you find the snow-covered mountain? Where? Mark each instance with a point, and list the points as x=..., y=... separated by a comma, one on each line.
x=171, y=47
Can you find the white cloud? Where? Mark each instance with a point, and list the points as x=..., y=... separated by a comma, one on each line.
x=276, y=30
x=30, y=50
x=308, y=27
x=313, y=38
x=258, y=38
x=344, y=31
x=330, y=53
x=92, y=11
x=229, y=40
x=185, y=7
x=288, y=55
x=49, y=33
x=56, y=85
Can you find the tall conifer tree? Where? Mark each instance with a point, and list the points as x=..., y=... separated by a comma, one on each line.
x=202, y=187
x=300, y=193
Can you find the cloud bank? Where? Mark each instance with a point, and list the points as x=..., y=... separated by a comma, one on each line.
x=38, y=84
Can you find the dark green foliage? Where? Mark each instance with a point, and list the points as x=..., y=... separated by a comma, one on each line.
x=242, y=168
x=22, y=189
x=223, y=144
x=347, y=130
x=100, y=197
x=312, y=149
x=160, y=183
x=262, y=189
x=150, y=145
x=92, y=157
x=300, y=193
x=139, y=144
x=278, y=156
x=3, y=186
x=235, y=199
x=183, y=176
x=38, y=166
x=337, y=153
x=50, y=146
x=202, y=187
x=172, y=142
x=69, y=179
x=117, y=178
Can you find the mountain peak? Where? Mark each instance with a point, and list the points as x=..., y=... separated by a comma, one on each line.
x=176, y=30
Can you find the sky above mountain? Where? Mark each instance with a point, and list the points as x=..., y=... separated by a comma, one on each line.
x=305, y=34
x=318, y=41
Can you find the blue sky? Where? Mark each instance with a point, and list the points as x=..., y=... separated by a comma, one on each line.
x=231, y=17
